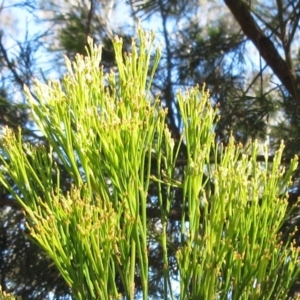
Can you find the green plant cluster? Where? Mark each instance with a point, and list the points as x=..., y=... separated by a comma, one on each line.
x=5, y=296
x=109, y=141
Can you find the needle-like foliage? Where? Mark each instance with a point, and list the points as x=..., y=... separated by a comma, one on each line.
x=110, y=136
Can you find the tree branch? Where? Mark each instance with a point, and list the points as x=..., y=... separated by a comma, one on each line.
x=266, y=48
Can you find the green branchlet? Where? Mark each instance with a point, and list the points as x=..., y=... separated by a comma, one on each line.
x=105, y=139
x=6, y=296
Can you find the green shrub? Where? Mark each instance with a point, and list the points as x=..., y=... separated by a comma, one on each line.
x=114, y=143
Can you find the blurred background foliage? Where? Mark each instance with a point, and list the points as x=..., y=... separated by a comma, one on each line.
x=246, y=52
